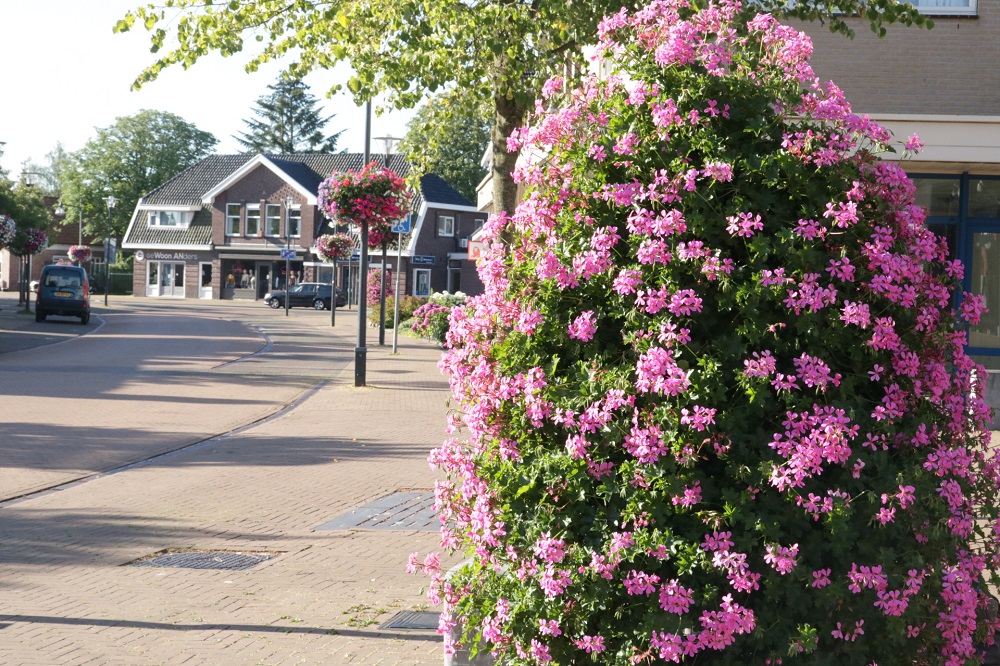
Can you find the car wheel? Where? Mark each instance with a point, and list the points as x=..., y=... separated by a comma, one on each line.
x=274, y=303
x=318, y=304
x=85, y=318
x=39, y=316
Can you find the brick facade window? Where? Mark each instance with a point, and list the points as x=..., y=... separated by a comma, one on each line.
x=234, y=215
x=272, y=222
x=445, y=225
x=253, y=220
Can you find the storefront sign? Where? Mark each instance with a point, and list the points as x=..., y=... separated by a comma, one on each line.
x=172, y=256
x=476, y=249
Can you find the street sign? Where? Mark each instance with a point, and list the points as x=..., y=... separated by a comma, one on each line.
x=287, y=254
x=476, y=249
x=423, y=260
x=401, y=226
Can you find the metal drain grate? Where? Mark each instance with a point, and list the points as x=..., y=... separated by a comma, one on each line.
x=422, y=620
x=411, y=510
x=209, y=559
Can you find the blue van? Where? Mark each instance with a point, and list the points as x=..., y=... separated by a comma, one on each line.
x=63, y=290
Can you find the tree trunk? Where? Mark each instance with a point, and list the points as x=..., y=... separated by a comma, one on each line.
x=510, y=115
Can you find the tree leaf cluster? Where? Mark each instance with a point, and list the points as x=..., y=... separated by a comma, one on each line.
x=128, y=159
x=448, y=136
x=287, y=122
x=499, y=51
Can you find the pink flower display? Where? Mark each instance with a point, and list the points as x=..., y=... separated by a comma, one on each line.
x=79, y=253
x=374, y=196
x=7, y=229
x=334, y=247
x=714, y=403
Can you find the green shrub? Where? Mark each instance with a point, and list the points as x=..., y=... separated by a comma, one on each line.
x=407, y=306
x=718, y=407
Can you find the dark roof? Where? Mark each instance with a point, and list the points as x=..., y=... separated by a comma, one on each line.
x=199, y=232
x=308, y=170
x=435, y=188
x=187, y=187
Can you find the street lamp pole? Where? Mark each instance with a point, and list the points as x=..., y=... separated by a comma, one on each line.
x=111, y=201
x=361, y=351
x=288, y=246
x=387, y=142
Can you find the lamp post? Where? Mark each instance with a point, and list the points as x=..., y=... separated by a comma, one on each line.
x=288, y=246
x=387, y=143
x=111, y=201
x=361, y=351
x=60, y=210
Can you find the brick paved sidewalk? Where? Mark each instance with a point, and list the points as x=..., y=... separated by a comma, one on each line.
x=67, y=598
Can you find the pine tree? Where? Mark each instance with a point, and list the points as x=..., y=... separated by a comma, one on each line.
x=288, y=122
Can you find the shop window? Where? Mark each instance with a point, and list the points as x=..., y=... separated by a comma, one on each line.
x=446, y=225
x=984, y=198
x=938, y=196
x=985, y=282
x=949, y=7
x=272, y=222
x=253, y=220
x=422, y=282
x=234, y=213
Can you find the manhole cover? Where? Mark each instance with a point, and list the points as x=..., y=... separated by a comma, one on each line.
x=208, y=559
x=410, y=510
x=422, y=620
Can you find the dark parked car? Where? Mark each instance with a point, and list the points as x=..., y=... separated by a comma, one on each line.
x=63, y=290
x=307, y=294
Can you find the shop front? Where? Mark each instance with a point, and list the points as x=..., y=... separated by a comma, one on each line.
x=170, y=274
x=249, y=277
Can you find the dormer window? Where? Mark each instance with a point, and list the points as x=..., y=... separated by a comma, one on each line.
x=174, y=219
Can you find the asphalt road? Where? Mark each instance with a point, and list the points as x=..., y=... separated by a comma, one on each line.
x=144, y=378
x=300, y=452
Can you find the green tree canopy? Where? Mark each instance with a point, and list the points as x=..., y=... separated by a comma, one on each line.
x=24, y=204
x=288, y=122
x=447, y=136
x=128, y=159
x=48, y=176
x=499, y=50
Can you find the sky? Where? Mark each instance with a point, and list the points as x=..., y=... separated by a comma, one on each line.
x=64, y=73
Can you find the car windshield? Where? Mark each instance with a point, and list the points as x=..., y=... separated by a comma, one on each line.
x=62, y=278
x=296, y=289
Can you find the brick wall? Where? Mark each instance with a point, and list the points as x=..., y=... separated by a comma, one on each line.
x=949, y=69
x=429, y=243
x=261, y=186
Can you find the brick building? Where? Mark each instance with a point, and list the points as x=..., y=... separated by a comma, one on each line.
x=217, y=229
x=940, y=85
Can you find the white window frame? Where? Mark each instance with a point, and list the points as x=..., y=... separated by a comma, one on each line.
x=294, y=213
x=275, y=218
x=158, y=217
x=416, y=282
x=253, y=211
x=971, y=8
x=446, y=226
x=237, y=218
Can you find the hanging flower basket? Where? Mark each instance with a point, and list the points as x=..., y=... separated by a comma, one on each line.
x=334, y=247
x=79, y=253
x=7, y=229
x=28, y=241
x=374, y=196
